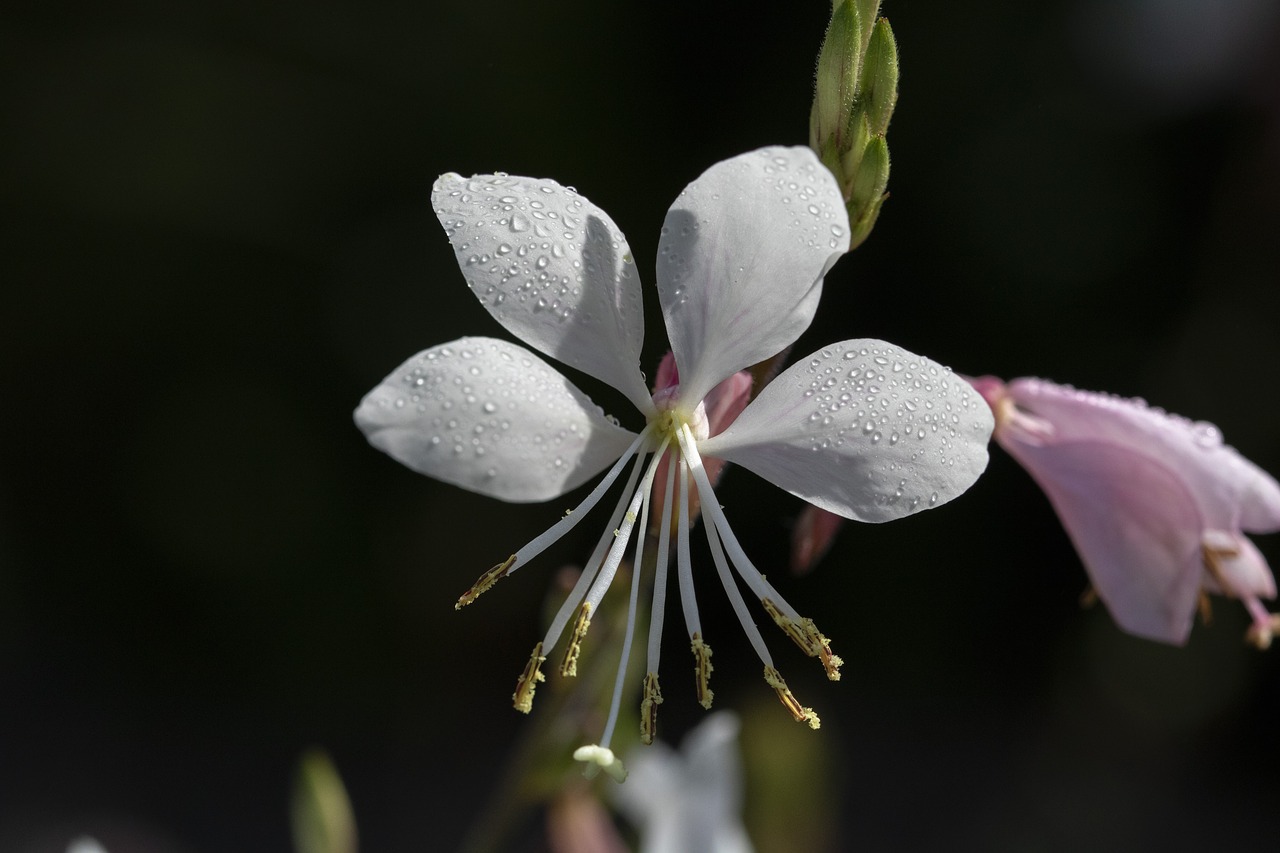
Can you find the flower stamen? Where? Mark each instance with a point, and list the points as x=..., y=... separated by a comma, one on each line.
x=569, y=665
x=486, y=582
x=649, y=708
x=798, y=711
x=522, y=699
x=703, y=669
x=593, y=565
x=658, y=609
x=806, y=635
x=801, y=630
x=684, y=563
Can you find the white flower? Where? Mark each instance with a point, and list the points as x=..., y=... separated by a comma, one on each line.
x=85, y=844
x=689, y=800
x=861, y=428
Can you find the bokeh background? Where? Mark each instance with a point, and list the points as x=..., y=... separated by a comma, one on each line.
x=216, y=236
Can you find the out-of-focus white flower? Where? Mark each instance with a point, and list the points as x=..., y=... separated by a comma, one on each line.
x=688, y=801
x=85, y=844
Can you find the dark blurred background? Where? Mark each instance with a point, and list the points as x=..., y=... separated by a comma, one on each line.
x=216, y=236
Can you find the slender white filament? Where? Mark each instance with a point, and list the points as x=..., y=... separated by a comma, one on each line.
x=567, y=523
x=592, y=567
x=659, y=608
x=711, y=508
x=684, y=565
x=632, y=605
x=623, y=534
x=735, y=595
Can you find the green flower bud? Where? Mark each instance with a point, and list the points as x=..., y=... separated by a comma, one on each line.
x=868, y=190
x=854, y=95
x=836, y=80
x=868, y=14
x=879, y=80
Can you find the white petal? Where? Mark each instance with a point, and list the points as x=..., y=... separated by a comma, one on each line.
x=491, y=417
x=552, y=268
x=741, y=260
x=863, y=429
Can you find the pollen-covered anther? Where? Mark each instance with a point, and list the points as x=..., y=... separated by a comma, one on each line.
x=831, y=662
x=702, y=654
x=798, y=711
x=569, y=665
x=806, y=635
x=522, y=699
x=1261, y=633
x=649, y=709
x=486, y=580
x=789, y=627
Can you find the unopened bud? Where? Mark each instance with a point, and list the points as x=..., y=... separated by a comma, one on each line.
x=878, y=84
x=868, y=187
x=836, y=80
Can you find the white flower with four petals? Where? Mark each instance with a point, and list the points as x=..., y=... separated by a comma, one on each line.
x=861, y=428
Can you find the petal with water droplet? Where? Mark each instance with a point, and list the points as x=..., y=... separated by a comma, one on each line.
x=741, y=260
x=491, y=417
x=552, y=268
x=848, y=433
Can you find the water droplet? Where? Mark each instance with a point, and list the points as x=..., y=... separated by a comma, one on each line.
x=519, y=222
x=1206, y=434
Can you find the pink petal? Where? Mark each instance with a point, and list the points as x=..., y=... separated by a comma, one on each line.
x=1229, y=490
x=1135, y=525
x=812, y=536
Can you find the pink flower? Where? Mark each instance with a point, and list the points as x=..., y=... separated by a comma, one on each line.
x=1154, y=503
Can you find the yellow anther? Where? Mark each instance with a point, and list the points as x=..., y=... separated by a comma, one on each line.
x=702, y=652
x=830, y=662
x=807, y=636
x=569, y=666
x=1260, y=634
x=522, y=699
x=789, y=701
x=789, y=626
x=487, y=580
x=649, y=708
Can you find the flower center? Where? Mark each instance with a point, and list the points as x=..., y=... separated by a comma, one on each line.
x=672, y=416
